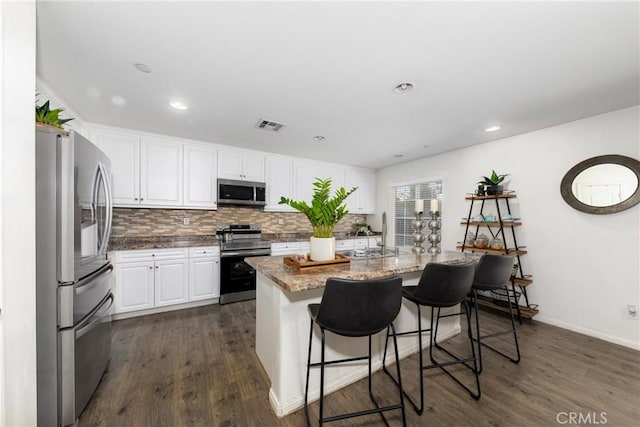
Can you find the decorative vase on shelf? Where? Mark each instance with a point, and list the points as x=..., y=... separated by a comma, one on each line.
x=324, y=213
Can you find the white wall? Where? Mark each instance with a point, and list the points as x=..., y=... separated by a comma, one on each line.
x=17, y=214
x=586, y=268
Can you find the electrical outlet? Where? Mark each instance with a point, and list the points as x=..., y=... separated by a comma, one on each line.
x=280, y=221
x=185, y=221
x=632, y=311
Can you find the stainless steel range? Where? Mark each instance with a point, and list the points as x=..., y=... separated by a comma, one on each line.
x=237, y=278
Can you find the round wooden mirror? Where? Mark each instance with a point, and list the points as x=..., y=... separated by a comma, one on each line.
x=602, y=184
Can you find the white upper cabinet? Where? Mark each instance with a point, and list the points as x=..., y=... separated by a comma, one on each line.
x=123, y=149
x=241, y=165
x=200, y=175
x=279, y=183
x=362, y=201
x=305, y=175
x=160, y=172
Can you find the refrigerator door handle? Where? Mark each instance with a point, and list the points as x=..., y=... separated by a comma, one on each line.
x=95, y=319
x=109, y=208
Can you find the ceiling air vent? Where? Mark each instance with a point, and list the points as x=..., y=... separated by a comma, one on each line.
x=269, y=125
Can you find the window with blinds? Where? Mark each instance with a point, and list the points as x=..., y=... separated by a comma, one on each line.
x=405, y=203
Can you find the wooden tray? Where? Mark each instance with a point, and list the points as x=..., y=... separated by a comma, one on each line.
x=292, y=261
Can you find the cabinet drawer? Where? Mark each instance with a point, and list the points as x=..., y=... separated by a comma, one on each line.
x=151, y=255
x=204, y=251
x=285, y=248
x=344, y=245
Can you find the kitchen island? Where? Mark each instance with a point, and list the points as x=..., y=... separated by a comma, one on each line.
x=282, y=324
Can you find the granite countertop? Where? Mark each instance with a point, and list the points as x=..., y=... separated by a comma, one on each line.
x=292, y=280
x=161, y=242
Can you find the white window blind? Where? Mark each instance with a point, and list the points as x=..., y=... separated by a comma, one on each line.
x=405, y=203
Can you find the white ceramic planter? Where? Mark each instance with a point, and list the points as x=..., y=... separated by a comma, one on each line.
x=323, y=248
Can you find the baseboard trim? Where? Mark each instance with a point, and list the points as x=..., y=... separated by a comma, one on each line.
x=589, y=332
x=129, y=314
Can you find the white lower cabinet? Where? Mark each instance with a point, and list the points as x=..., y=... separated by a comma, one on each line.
x=171, y=282
x=147, y=279
x=134, y=286
x=204, y=273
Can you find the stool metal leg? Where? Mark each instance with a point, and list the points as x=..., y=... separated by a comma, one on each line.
x=306, y=387
x=479, y=337
x=321, y=377
x=419, y=409
x=456, y=359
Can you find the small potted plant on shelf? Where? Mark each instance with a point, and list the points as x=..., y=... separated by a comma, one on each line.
x=324, y=213
x=492, y=183
x=49, y=117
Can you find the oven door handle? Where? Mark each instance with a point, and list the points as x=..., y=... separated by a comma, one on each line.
x=259, y=252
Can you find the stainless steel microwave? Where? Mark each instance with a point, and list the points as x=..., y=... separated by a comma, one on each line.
x=233, y=192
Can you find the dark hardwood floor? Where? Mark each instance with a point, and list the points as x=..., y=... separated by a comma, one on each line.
x=198, y=367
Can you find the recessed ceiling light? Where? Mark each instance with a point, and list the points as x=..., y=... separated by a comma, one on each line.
x=319, y=138
x=178, y=105
x=143, y=67
x=492, y=128
x=398, y=155
x=403, y=87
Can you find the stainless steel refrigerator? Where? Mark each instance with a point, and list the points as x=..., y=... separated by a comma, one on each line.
x=73, y=274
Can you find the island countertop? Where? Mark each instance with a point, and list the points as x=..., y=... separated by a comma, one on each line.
x=293, y=280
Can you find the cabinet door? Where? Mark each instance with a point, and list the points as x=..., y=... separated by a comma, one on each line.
x=171, y=282
x=200, y=175
x=253, y=167
x=134, y=286
x=362, y=201
x=279, y=183
x=305, y=175
x=230, y=164
x=160, y=172
x=336, y=173
x=204, y=278
x=123, y=150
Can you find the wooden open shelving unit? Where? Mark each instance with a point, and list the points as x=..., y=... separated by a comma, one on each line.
x=507, y=231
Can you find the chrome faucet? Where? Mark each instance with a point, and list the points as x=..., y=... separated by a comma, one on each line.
x=383, y=242
x=365, y=231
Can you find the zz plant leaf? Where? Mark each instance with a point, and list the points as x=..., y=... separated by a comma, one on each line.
x=325, y=212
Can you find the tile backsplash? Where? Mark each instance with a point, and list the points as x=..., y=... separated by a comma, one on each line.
x=137, y=222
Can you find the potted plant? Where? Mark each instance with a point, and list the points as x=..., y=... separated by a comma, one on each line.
x=324, y=213
x=492, y=183
x=50, y=117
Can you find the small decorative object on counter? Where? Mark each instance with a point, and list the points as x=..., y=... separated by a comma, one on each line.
x=490, y=217
x=482, y=241
x=492, y=183
x=480, y=191
x=496, y=244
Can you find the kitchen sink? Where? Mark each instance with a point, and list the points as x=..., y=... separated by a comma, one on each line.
x=358, y=254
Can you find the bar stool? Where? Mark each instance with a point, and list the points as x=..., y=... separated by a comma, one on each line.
x=494, y=272
x=440, y=286
x=355, y=308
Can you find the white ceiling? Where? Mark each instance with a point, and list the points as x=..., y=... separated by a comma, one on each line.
x=329, y=68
